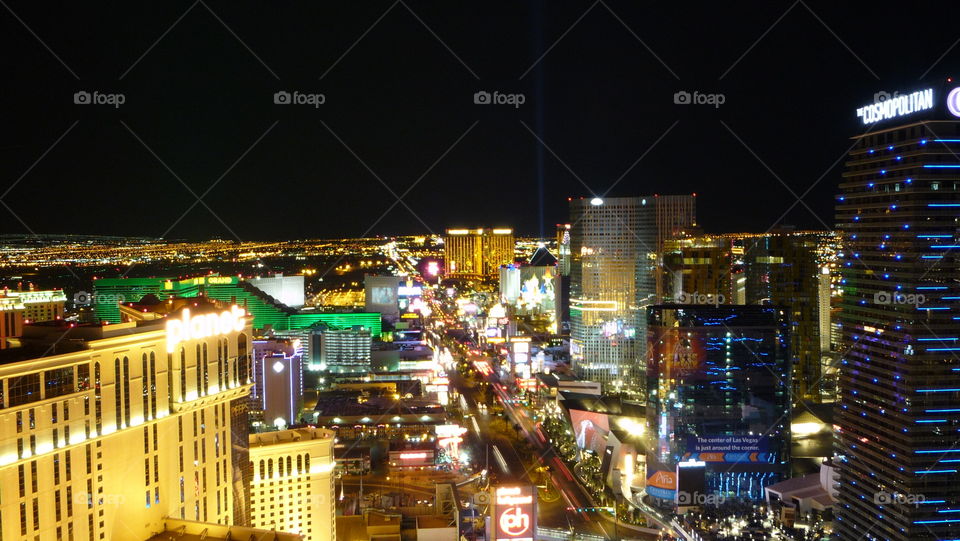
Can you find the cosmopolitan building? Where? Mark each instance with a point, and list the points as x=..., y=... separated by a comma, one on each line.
x=899, y=409
x=615, y=246
x=718, y=380
x=106, y=431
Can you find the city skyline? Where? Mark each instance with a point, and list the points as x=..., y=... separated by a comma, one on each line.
x=598, y=116
x=501, y=271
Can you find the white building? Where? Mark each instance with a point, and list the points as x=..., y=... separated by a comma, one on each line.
x=292, y=488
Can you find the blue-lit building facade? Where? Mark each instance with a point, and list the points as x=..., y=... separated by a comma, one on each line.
x=898, y=208
x=718, y=385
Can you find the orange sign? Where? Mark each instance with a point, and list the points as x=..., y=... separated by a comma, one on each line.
x=663, y=479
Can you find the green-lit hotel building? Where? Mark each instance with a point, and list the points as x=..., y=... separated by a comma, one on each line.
x=266, y=310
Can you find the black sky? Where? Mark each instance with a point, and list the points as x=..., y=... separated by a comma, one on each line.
x=400, y=99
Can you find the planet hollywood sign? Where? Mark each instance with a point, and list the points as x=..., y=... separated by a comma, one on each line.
x=515, y=513
x=188, y=327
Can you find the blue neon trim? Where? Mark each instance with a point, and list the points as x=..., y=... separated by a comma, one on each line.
x=946, y=339
x=932, y=421
x=943, y=204
x=941, y=246
x=943, y=411
x=932, y=287
x=935, y=521
x=930, y=452
x=943, y=349
x=938, y=390
x=946, y=140
x=931, y=257
x=934, y=236
x=941, y=166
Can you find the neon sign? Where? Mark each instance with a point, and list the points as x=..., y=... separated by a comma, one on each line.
x=515, y=513
x=953, y=102
x=204, y=325
x=897, y=105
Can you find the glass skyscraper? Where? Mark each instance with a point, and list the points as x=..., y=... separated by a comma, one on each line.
x=615, y=246
x=898, y=451
x=718, y=380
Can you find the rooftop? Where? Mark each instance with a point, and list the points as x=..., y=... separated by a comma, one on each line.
x=292, y=435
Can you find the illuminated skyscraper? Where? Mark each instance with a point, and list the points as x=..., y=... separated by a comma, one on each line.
x=719, y=393
x=615, y=247
x=477, y=253
x=899, y=410
x=110, y=430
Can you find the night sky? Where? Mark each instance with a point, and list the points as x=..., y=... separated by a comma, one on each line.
x=399, y=81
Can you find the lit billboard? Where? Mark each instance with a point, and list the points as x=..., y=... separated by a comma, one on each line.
x=677, y=352
x=590, y=429
x=514, y=513
x=662, y=484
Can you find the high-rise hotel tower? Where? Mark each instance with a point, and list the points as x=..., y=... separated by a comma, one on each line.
x=615, y=249
x=108, y=430
x=898, y=446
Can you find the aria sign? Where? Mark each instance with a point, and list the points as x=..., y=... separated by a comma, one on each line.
x=204, y=325
x=515, y=513
x=897, y=105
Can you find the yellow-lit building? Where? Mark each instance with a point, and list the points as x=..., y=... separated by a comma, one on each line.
x=41, y=305
x=292, y=488
x=107, y=430
x=19, y=307
x=477, y=253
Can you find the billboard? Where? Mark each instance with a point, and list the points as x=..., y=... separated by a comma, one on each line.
x=514, y=513
x=728, y=449
x=677, y=352
x=590, y=429
x=662, y=484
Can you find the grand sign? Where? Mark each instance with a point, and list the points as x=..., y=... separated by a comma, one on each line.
x=514, y=513
x=188, y=327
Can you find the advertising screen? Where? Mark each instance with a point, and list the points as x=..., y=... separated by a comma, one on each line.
x=382, y=295
x=590, y=429
x=728, y=449
x=677, y=353
x=514, y=513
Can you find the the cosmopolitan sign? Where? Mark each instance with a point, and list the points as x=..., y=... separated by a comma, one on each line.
x=188, y=327
x=898, y=105
x=514, y=513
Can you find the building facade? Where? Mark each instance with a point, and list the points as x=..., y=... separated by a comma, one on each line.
x=292, y=488
x=899, y=405
x=615, y=257
x=21, y=307
x=276, y=398
x=477, y=253
x=265, y=309
x=719, y=394
x=107, y=430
